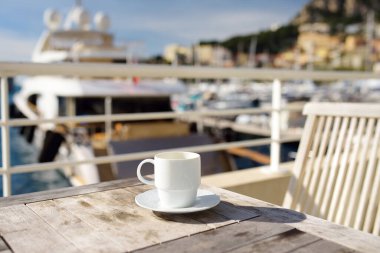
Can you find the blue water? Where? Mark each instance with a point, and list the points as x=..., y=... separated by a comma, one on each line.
x=24, y=153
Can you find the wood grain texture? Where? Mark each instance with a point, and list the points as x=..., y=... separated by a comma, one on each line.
x=284, y=242
x=85, y=237
x=223, y=239
x=115, y=214
x=66, y=192
x=323, y=246
x=3, y=246
x=110, y=221
x=346, y=236
x=226, y=212
x=255, y=235
x=24, y=231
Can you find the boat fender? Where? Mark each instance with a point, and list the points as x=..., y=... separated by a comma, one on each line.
x=28, y=133
x=50, y=147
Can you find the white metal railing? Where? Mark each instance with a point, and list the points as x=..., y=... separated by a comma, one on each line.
x=155, y=71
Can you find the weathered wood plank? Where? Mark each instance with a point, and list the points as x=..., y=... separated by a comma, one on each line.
x=221, y=215
x=122, y=197
x=24, y=231
x=66, y=192
x=230, y=211
x=3, y=246
x=348, y=237
x=121, y=225
x=323, y=246
x=85, y=237
x=115, y=214
x=223, y=239
x=284, y=242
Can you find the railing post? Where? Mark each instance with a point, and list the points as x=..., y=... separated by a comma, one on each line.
x=108, y=122
x=275, y=148
x=70, y=110
x=5, y=140
x=200, y=125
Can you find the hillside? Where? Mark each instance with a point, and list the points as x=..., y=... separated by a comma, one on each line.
x=336, y=13
x=267, y=41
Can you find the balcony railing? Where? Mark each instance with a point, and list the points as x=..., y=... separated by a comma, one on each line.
x=153, y=71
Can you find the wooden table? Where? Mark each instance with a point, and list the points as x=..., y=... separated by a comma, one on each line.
x=104, y=218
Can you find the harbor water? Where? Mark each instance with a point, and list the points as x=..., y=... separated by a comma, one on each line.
x=24, y=153
x=21, y=153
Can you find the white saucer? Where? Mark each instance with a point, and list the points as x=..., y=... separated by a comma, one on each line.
x=205, y=200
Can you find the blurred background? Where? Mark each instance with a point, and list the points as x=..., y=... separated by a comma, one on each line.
x=311, y=35
x=327, y=34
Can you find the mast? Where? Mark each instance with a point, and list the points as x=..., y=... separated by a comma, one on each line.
x=370, y=27
x=252, y=53
x=310, y=56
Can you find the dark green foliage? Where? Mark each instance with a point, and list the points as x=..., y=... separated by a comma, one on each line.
x=267, y=41
x=209, y=42
x=285, y=37
x=156, y=59
x=340, y=18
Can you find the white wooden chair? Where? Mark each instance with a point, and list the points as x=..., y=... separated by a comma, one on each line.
x=337, y=168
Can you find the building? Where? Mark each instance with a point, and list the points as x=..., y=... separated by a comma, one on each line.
x=198, y=55
x=177, y=54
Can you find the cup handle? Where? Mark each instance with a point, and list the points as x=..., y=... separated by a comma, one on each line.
x=140, y=177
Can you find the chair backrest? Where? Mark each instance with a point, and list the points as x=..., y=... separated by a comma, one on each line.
x=337, y=168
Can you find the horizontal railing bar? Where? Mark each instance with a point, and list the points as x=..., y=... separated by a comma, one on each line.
x=142, y=155
x=140, y=116
x=162, y=71
x=134, y=156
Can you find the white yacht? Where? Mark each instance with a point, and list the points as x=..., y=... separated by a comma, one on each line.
x=78, y=38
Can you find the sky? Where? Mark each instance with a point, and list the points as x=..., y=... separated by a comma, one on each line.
x=151, y=24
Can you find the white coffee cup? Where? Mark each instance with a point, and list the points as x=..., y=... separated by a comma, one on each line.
x=177, y=176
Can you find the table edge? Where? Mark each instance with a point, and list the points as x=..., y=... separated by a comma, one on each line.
x=67, y=191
